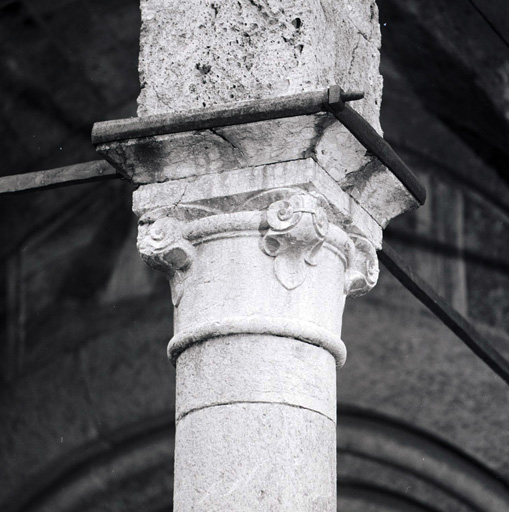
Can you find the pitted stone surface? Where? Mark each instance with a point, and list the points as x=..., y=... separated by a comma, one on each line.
x=203, y=53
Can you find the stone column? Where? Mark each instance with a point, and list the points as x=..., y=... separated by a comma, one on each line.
x=258, y=280
x=263, y=230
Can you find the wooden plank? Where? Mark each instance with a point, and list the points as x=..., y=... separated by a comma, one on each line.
x=458, y=324
x=86, y=171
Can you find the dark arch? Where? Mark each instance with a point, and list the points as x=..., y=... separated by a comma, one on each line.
x=397, y=445
x=145, y=454
x=388, y=500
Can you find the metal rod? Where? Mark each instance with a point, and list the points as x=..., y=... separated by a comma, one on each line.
x=236, y=113
x=331, y=100
x=481, y=346
x=86, y=171
x=211, y=117
x=372, y=141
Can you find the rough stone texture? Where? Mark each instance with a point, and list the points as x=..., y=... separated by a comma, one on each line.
x=273, y=457
x=246, y=50
x=237, y=50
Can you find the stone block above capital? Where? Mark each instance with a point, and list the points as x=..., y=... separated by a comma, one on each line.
x=215, y=141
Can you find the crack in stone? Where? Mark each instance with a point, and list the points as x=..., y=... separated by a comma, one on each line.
x=361, y=33
x=184, y=191
x=239, y=402
x=350, y=65
x=237, y=151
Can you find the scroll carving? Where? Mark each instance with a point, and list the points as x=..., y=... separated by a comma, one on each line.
x=362, y=274
x=163, y=247
x=297, y=229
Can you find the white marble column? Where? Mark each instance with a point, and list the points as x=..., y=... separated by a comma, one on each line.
x=263, y=230
x=259, y=289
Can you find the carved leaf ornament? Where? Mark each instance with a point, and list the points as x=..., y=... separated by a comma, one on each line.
x=362, y=275
x=297, y=229
x=163, y=247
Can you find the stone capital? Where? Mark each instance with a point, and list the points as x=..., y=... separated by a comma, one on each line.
x=292, y=225
x=271, y=249
x=286, y=224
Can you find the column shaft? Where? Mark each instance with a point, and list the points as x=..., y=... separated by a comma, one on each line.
x=256, y=426
x=256, y=389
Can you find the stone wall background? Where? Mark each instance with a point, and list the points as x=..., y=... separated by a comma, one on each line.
x=87, y=393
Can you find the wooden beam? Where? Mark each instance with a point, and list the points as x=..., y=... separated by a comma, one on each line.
x=458, y=324
x=86, y=171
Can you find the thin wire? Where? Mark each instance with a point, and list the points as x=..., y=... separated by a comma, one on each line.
x=487, y=20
